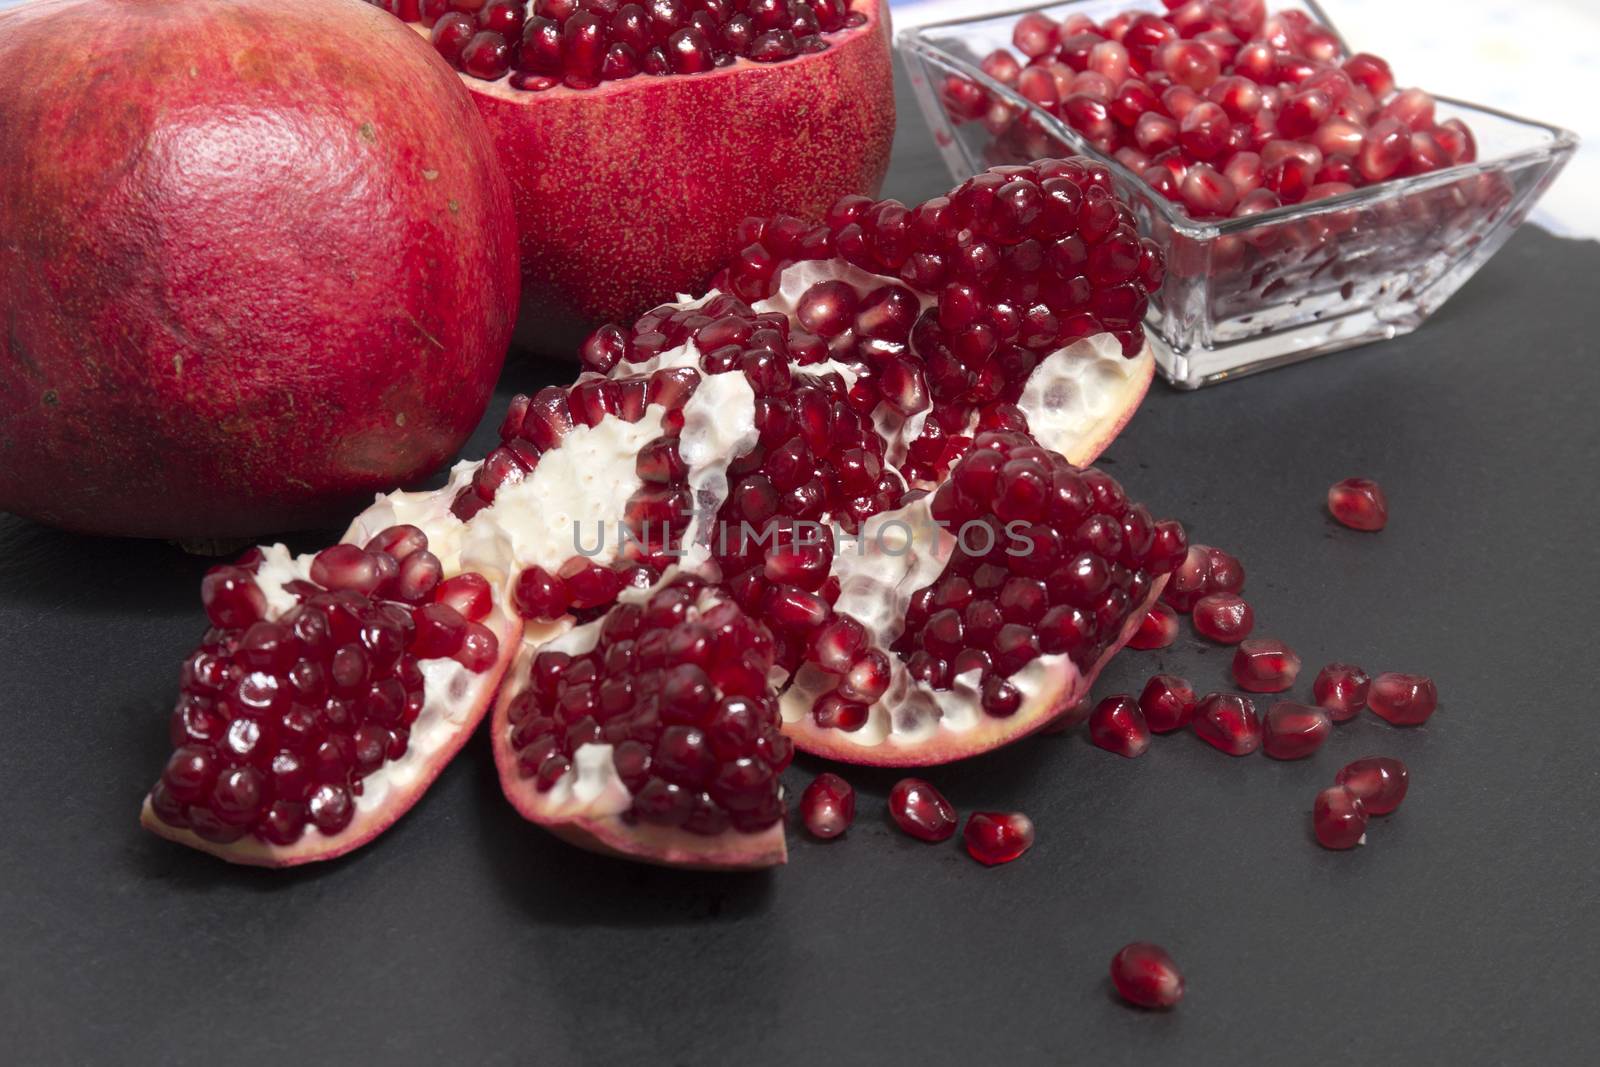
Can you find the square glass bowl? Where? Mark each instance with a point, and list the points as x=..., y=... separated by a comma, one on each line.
x=1246, y=294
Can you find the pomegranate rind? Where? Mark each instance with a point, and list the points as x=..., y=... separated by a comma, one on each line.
x=368, y=823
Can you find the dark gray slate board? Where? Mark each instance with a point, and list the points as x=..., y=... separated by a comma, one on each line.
x=1466, y=931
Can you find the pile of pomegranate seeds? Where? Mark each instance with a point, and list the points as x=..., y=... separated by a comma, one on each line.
x=582, y=43
x=1220, y=106
x=1359, y=503
x=281, y=718
x=921, y=810
x=1204, y=570
x=677, y=686
x=828, y=806
x=1146, y=976
x=996, y=837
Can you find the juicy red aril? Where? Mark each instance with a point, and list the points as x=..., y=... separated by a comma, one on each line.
x=1338, y=818
x=468, y=593
x=1228, y=723
x=1167, y=703
x=231, y=598
x=1342, y=690
x=1146, y=976
x=1293, y=731
x=1377, y=781
x=996, y=837
x=1359, y=503
x=1223, y=617
x=1117, y=725
x=921, y=810
x=828, y=806
x=1158, y=629
x=538, y=594
x=1403, y=699
x=1264, y=665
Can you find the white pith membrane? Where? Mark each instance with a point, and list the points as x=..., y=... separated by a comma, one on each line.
x=455, y=701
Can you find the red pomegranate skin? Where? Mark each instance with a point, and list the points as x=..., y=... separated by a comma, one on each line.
x=256, y=263
x=633, y=191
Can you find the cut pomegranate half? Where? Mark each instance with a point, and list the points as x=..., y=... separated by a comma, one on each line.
x=650, y=733
x=326, y=697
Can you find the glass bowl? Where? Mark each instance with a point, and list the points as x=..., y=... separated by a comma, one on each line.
x=1247, y=294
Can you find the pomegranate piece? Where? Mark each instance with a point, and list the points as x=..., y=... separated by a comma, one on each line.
x=1403, y=699
x=1342, y=689
x=996, y=837
x=1158, y=629
x=1338, y=818
x=1264, y=665
x=828, y=806
x=1293, y=731
x=1359, y=503
x=1223, y=617
x=1145, y=975
x=1117, y=725
x=1379, y=782
x=921, y=810
x=1167, y=703
x=1228, y=723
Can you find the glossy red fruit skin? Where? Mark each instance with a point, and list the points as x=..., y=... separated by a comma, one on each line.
x=921, y=810
x=1228, y=723
x=1168, y=703
x=1403, y=699
x=1294, y=731
x=1117, y=725
x=828, y=806
x=1342, y=689
x=1146, y=976
x=1338, y=818
x=996, y=837
x=1263, y=665
x=1379, y=782
x=182, y=364
x=695, y=155
x=1359, y=503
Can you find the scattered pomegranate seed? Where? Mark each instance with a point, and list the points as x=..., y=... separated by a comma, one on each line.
x=1228, y=723
x=1167, y=703
x=1117, y=725
x=1146, y=976
x=828, y=806
x=1338, y=818
x=1294, y=731
x=1403, y=699
x=996, y=837
x=1158, y=629
x=1379, y=782
x=1342, y=690
x=921, y=810
x=1359, y=503
x=1264, y=665
x=1224, y=618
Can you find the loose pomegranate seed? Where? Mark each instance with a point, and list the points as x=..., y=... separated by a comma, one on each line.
x=1223, y=617
x=1264, y=665
x=828, y=806
x=1338, y=818
x=1359, y=503
x=921, y=810
x=1167, y=703
x=1117, y=725
x=1294, y=731
x=1146, y=976
x=1403, y=699
x=1377, y=781
x=1342, y=690
x=1228, y=723
x=996, y=837
x=1158, y=629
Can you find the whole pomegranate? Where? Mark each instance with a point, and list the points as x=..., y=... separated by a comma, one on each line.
x=257, y=261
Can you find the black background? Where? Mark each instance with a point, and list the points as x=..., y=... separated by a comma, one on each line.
x=1465, y=930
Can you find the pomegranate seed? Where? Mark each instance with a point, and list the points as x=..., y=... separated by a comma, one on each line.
x=996, y=837
x=231, y=597
x=1294, y=731
x=1223, y=617
x=1167, y=703
x=921, y=810
x=538, y=594
x=1359, y=503
x=1158, y=629
x=1342, y=690
x=1146, y=976
x=828, y=806
x=1228, y=723
x=1225, y=573
x=1377, y=781
x=1117, y=725
x=1263, y=665
x=1403, y=699
x=1338, y=818
x=468, y=593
